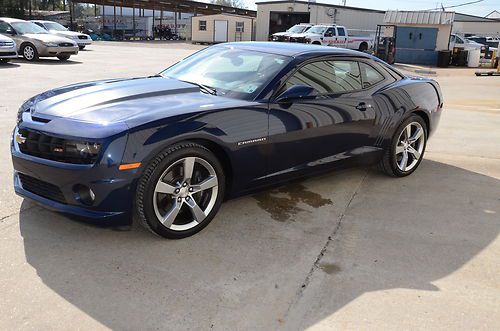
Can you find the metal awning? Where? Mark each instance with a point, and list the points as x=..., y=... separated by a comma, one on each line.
x=172, y=6
x=419, y=17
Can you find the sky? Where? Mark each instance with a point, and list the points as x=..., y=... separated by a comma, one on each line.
x=480, y=9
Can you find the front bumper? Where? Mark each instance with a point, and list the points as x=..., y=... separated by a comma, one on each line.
x=114, y=189
x=83, y=42
x=57, y=51
x=8, y=54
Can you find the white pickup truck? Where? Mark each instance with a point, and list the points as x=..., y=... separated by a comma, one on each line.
x=332, y=35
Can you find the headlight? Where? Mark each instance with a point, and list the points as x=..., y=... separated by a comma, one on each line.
x=50, y=44
x=24, y=108
x=84, y=149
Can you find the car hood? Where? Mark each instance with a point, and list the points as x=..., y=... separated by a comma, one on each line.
x=5, y=39
x=68, y=34
x=134, y=101
x=279, y=34
x=47, y=37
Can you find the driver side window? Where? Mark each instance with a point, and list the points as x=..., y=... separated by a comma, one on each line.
x=328, y=77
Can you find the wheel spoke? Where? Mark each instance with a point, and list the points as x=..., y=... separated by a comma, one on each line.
x=198, y=214
x=408, y=132
x=163, y=187
x=206, y=184
x=188, y=167
x=169, y=218
x=415, y=136
x=413, y=151
x=399, y=149
x=404, y=161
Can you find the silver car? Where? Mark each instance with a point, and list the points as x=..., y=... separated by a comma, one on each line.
x=57, y=29
x=8, y=49
x=34, y=42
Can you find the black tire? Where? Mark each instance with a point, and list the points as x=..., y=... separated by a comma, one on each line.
x=81, y=47
x=4, y=60
x=363, y=47
x=25, y=53
x=64, y=57
x=388, y=163
x=146, y=188
x=316, y=43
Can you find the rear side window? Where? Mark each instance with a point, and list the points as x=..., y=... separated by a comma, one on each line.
x=328, y=77
x=341, y=31
x=369, y=75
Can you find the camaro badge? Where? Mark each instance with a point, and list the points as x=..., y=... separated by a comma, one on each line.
x=252, y=141
x=20, y=139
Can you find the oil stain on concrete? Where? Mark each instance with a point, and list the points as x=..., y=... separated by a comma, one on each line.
x=282, y=203
x=329, y=268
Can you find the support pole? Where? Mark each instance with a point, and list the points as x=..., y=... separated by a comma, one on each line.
x=71, y=11
x=114, y=18
x=175, y=21
x=133, y=16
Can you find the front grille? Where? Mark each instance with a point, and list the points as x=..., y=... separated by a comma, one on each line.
x=6, y=44
x=41, y=188
x=66, y=45
x=52, y=148
x=82, y=37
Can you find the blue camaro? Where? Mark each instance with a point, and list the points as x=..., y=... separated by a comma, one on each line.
x=223, y=122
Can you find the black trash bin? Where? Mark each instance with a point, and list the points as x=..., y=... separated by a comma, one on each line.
x=444, y=59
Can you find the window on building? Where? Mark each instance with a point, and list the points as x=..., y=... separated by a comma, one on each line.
x=240, y=26
x=202, y=26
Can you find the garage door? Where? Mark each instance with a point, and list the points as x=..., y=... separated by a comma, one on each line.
x=416, y=45
x=220, y=33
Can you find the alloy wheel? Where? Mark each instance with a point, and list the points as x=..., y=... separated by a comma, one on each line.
x=409, y=147
x=185, y=193
x=29, y=53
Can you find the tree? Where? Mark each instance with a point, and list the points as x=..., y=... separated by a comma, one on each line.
x=230, y=3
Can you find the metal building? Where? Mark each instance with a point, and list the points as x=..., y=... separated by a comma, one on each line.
x=276, y=16
x=420, y=34
x=475, y=25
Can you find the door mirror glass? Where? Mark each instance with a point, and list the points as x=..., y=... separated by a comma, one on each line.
x=297, y=92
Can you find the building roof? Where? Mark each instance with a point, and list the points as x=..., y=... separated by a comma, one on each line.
x=226, y=14
x=311, y=3
x=418, y=17
x=494, y=15
x=459, y=17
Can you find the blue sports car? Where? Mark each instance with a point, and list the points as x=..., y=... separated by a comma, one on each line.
x=228, y=120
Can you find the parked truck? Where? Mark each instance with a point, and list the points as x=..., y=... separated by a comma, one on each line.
x=332, y=35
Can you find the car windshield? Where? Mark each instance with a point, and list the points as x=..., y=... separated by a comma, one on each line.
x=55, y=26
x=298, y=28
x=27, y=27
x=231, y=72
x=317, y=29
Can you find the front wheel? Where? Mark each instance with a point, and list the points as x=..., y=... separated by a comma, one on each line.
x=29, y=52
x=181, y=191
x=63, y=57
x=81, y=47
x=407, y=148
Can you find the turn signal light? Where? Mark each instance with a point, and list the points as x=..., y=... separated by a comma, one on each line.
x=128, y=166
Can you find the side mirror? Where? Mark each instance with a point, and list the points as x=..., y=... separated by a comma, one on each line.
x=11, y=32
x=297, y=92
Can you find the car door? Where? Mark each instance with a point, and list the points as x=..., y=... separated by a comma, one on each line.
x=329, y=37
x=341, y=37
x=304, y=133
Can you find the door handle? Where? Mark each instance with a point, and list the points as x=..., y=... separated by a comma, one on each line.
x=363, y=106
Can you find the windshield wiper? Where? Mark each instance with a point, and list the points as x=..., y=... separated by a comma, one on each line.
x=203, y=88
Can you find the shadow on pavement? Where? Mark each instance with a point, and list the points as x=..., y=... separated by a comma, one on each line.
x=246, y=269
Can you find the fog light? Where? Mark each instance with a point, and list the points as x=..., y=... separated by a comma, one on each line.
x=84, y=194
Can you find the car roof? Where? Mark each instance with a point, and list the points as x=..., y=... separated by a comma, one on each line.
x=42, y=21
x=293, y=49
x=11, y=20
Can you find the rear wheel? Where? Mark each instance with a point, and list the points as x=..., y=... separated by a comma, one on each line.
x=181, y=191
x=81, y=47
x=407, y=148
x=363, y=47
x=29, y=52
